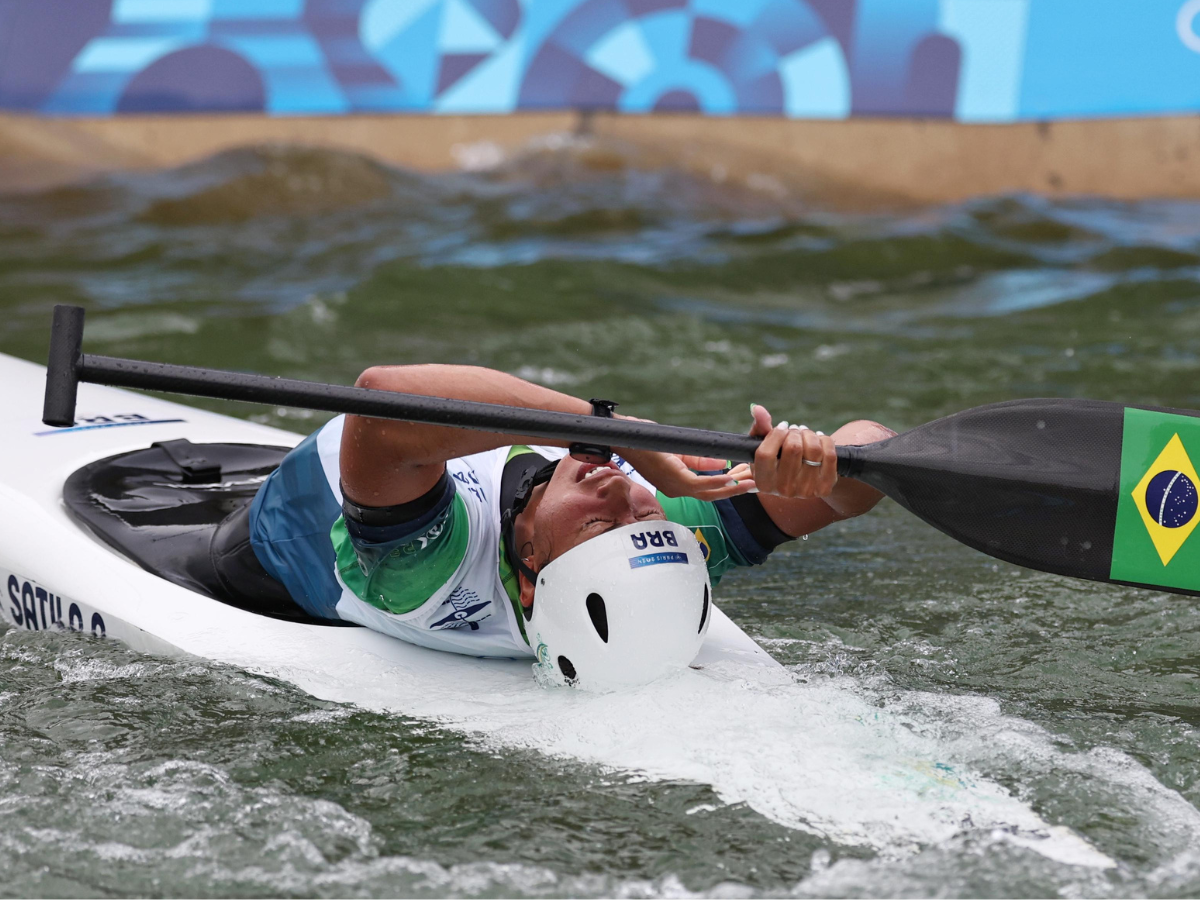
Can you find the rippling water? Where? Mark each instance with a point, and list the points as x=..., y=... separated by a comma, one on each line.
x=927, y=684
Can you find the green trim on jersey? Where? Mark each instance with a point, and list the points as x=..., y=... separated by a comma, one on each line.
x=400, y=576
x=702, y=519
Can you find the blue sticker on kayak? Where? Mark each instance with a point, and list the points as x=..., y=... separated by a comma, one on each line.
x=91, y=423
x=657, y=559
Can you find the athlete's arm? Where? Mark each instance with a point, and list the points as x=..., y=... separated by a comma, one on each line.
x=385, y=462
x=802, y=498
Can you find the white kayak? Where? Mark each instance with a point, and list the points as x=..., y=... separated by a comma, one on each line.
x=823, y=758
x=58, y=576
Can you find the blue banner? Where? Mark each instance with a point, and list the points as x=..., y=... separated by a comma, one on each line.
x=970, y=60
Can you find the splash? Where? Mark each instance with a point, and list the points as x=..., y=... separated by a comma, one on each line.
x=894, y=773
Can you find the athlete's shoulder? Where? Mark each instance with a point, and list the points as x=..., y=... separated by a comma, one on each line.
x=477, y=477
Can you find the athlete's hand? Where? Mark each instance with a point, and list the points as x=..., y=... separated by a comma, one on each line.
x=792, y=461
x=676, y=476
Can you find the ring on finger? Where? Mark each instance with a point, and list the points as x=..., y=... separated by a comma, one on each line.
x=812, y=462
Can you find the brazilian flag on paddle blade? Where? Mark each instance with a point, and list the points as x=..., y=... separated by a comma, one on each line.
x=1158, y=503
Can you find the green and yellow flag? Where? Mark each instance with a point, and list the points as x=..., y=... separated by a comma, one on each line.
x=1157, y=506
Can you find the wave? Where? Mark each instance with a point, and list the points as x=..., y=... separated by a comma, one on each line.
x=581, y=198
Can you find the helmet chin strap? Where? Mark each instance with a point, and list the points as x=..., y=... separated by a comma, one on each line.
x=593, y=453
x=509, y=520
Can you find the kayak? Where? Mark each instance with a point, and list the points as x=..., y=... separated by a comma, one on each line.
x=824, y=759
x=59, y=576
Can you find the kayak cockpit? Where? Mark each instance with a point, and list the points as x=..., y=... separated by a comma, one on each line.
x=181, y=510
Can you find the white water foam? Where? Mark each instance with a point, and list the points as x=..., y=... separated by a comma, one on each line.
x=833, y=757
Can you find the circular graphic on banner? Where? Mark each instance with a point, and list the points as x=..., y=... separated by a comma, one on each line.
x=720, y=59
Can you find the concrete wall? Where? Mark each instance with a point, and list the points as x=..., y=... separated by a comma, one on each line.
x=861, y=162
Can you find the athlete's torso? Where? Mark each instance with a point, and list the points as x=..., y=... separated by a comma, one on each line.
x=470, y=612
x=438, y=581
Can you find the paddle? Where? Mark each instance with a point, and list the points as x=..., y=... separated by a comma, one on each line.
x=1083, y=488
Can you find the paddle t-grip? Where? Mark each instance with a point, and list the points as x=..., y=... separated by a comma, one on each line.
x=62, y=369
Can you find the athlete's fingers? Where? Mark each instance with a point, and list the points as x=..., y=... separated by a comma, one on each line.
x=723, y=482
x=792, y=478
x=828, y=471
x=717, y=487
x=724, y=493
x=740, y=472
x=738, y=480
x=800, y=464
x=811, y=474
x=825, y=475
x=761, y=425
x=766, y=458
x=704, y=463
x=684, y=482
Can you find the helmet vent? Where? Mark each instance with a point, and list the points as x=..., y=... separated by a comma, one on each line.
x=599, y=616
x=565, y=666
x=703, y=611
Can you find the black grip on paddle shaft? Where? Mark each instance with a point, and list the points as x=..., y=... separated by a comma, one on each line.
x=1032, y=482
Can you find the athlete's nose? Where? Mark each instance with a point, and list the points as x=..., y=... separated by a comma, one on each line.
x=615, y=493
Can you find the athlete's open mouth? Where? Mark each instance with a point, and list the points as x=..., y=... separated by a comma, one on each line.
x=590, y=470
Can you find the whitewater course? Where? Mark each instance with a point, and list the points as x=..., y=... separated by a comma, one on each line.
x=941, y=723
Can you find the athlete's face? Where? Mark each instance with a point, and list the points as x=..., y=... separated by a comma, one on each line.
x=584, y=500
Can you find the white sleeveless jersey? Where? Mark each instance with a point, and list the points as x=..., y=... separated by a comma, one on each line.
x=471, y=612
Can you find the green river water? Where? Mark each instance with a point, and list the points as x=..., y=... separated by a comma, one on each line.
x=685, y=299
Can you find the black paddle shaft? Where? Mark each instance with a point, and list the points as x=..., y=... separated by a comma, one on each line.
x=1032, y=482
x=68, y=366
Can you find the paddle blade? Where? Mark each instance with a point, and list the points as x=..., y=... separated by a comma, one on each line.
x=1077, y=487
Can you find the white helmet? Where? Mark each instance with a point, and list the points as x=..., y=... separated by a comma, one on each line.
x=622, y=608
